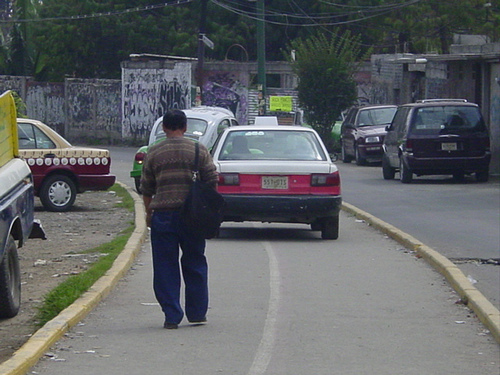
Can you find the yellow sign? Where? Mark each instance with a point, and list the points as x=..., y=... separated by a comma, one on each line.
x=280, y=104
x=8, y=128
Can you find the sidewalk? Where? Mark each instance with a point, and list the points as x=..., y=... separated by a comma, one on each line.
x=40, y=343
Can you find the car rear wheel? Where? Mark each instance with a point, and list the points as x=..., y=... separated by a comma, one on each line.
x=388, y=171
x=137, y=181
x=482, y=176
x=10, y=281
x=405, y=173
x=330, y=228
x=58, y=193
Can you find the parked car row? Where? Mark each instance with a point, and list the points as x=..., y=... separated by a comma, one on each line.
x=429, y=137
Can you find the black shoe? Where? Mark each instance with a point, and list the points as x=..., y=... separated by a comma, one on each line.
x=170, y=325
x=199, y=321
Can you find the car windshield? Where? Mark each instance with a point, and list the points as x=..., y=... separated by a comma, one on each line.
x=441, y=120
x=195, y=127
x=271, y=145
x=376, y=116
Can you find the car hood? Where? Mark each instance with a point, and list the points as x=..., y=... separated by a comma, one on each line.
x=69, y=152
x=275, y=167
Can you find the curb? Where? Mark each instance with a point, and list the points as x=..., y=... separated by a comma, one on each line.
x=29, y=354
x=487, y=313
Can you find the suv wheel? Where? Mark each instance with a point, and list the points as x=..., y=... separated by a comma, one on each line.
x=388, y=171
x=482, y=176
x=10, y=281
x=459, y=176
x=58, y=193
x=405, y=173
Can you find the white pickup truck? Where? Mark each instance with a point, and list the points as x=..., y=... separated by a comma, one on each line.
x=17, y=222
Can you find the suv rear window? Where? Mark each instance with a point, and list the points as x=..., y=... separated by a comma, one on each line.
x=445, y=119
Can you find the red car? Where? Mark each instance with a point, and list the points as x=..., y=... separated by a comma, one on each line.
x=61, y=170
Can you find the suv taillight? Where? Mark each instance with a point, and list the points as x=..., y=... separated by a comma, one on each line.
x=408, y=145
x=486, y=143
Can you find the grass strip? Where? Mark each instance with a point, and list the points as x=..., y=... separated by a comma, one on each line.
x=72, y=288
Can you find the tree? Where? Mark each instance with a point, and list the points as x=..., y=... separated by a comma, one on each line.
x=325, y=68
x=18, y=54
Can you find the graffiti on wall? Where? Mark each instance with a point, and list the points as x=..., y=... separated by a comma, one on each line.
x=108, y=109
x=45, y=102
x=148, y=93
x=228, y=90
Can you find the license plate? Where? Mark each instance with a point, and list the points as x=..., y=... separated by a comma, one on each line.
x=274, y=182
x=449, y=146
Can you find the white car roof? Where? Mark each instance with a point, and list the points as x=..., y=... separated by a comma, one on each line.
x=208, y=113
x=270, y=127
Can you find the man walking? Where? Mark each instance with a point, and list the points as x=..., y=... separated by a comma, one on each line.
x=165, y=182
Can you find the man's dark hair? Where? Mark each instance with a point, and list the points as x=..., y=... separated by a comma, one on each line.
x=174, y=120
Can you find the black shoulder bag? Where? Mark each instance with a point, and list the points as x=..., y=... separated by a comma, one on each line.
x=202, y=211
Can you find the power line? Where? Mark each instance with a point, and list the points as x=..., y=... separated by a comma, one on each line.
x=101, y=14
x=364, y=13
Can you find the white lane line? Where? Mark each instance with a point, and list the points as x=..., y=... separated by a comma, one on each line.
x=265, y=349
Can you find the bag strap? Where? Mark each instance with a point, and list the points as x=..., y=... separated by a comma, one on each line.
x=196, y=161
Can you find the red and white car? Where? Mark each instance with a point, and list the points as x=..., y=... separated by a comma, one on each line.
x=61, y=170
x=278, y=174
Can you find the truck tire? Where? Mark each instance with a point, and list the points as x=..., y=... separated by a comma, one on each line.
x=58, y=193
x=10, y=281
x=330, y=228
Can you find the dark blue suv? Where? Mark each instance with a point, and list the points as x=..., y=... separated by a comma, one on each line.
x=437, y=137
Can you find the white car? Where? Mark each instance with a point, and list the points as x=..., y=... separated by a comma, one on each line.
x=203, y=124
x=278, y=174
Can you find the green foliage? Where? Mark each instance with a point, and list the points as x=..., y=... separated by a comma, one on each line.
x=325, y=67
x=20, y=105
x=94, y=47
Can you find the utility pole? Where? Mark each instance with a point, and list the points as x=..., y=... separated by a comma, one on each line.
x=201, y=52
x=261, y=56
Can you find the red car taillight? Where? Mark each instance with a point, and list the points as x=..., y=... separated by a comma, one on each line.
x=229, y=179
x=139, y=157
x=332, y=179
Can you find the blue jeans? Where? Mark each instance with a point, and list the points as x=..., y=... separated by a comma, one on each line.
x=167, y=235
